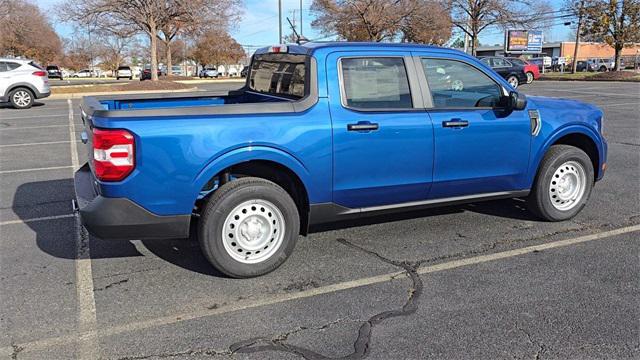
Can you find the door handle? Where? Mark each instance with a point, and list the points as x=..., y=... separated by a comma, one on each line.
x=455, y=123
x=363, y=126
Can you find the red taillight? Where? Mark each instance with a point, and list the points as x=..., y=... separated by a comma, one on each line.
x=113, y=154
x=39, y=73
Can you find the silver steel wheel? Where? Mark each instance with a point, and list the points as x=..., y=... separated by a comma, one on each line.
x=22, y=98
x=253, y=231
x=529, y=78
x=567, y=186
x=513, y=81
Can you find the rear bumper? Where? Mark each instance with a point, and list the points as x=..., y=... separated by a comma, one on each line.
x=41, y=95
x=121, y=218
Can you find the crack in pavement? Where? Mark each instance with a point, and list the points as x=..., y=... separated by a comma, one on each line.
x=541, y=348
x=16, y=350
x=111, y=285
x=362, y=343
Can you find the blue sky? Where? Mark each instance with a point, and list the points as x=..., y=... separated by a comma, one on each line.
x=259, y=23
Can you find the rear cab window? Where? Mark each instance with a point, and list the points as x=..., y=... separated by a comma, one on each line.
x=282, y=75
x=375, y=83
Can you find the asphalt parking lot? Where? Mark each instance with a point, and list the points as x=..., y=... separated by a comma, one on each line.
x=478, y=281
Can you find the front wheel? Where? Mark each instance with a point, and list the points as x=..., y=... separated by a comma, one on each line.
x=513, y=81
x=248, y=227
x=563, y=184
x=529, y=78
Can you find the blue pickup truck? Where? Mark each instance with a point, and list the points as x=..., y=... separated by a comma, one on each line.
x=323, y=132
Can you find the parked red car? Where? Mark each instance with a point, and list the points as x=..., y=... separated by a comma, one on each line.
x=531, y=70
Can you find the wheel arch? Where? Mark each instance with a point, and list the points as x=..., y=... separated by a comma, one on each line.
x=264, y=162
x=25, y=85
x=577, y=136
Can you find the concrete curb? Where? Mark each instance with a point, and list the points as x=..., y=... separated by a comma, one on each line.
x=81, y=94
x=210, y=81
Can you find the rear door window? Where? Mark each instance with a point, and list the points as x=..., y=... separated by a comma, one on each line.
x=375, y=83
x=12, y=65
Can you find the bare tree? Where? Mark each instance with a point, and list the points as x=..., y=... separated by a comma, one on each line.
x=113, y=45
x=195, y=17
x=474, y=16
x=25, y=31
x=617, y=22
x=77, y=52
x=143, y=15
x=216, y=48
x=429, y=23
x=382, y=20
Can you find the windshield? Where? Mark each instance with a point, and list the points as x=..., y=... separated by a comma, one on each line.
x=279, y=74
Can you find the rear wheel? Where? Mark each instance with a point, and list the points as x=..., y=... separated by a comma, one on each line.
x=563, y=183
x=529, y=78
x=513, y=81
x=603, y=68
x=249, y=227
x=21, y=98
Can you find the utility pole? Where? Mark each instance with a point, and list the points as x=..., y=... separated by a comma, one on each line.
x=300, y=18
x=575, y=51
x=280, y=22
x=466, y=38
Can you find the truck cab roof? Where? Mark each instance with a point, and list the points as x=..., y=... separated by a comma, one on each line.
x=311, y=47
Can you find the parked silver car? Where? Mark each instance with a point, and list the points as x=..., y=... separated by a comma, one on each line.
x=21, y=82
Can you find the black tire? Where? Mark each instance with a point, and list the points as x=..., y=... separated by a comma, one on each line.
x=130, y=78
x=17, y=97
x=539, y=200
x=219, y=206
x=603, y=68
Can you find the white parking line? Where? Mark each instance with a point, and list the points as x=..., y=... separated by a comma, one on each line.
x=38, y=143
x=87, y=320
x=623, y=104
x=44, y=218
x=594, y=94
x=33, y=116
x=34, y=169
x=280, y=298
x=31, y=127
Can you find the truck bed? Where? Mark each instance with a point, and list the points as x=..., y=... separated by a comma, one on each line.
x=192, y=104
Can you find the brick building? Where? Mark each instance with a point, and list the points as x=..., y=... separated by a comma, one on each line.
x=587, y=50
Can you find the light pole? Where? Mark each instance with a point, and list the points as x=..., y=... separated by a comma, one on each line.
x=280, y=21
x=575, y=51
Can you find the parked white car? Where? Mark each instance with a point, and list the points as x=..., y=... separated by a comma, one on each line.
x=208, y=73
x=22, y=82
x=84, y=73
x=124, y=72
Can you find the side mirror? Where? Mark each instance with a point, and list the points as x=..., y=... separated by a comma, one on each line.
x=517, y=101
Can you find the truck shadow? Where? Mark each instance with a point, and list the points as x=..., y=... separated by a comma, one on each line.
x=57, y=237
